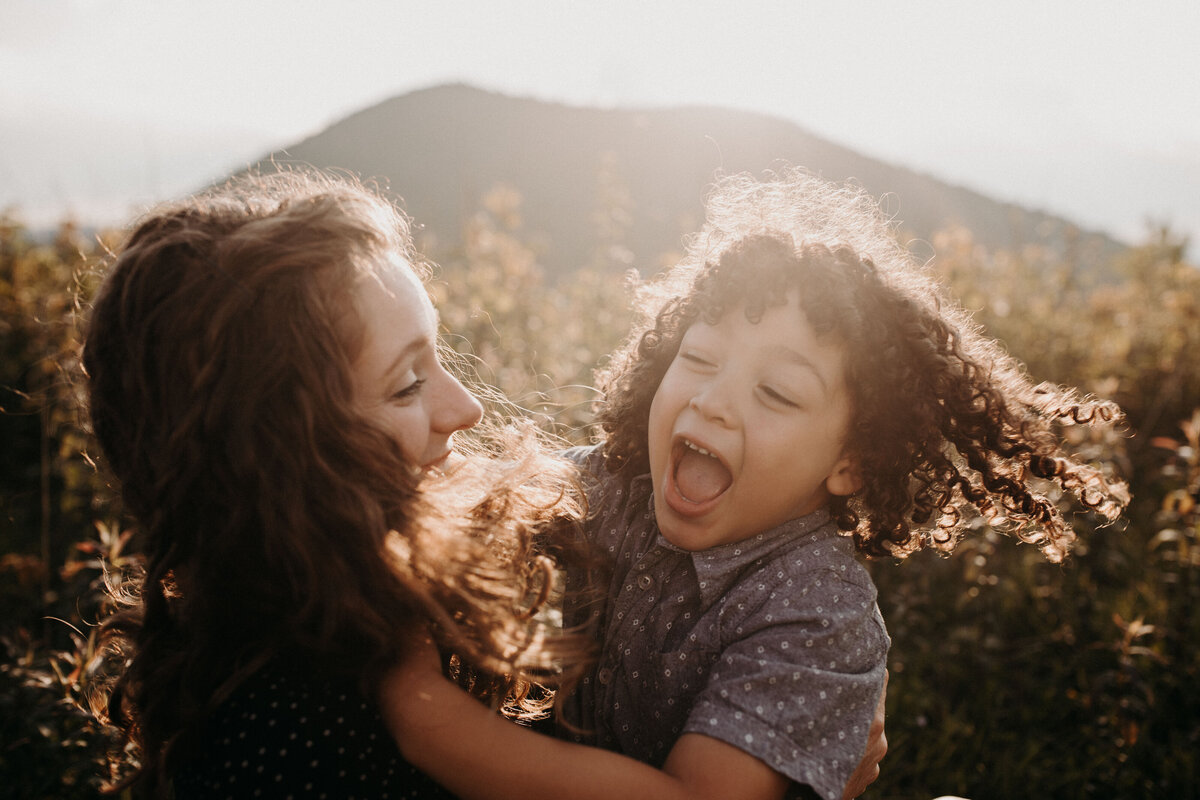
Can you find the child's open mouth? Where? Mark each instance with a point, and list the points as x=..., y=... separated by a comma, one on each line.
x=699, y=475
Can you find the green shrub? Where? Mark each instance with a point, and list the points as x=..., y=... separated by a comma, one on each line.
x=1011, y=677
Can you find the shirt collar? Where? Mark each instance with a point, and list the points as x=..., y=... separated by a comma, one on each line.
x=718, y=568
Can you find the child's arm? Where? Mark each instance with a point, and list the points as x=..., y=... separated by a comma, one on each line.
x=477, y=754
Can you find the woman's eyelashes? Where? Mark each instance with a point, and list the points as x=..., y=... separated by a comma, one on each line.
x=408, y=392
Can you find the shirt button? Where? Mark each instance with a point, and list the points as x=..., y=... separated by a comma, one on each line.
x=645, y=581
x=604, y=675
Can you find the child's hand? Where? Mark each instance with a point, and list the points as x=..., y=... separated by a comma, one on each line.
x=868, y=768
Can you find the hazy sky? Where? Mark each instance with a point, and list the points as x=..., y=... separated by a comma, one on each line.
x=1090, y=109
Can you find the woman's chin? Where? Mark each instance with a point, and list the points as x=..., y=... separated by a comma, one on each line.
x=452, y=462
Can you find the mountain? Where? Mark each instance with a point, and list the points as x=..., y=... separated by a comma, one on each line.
x=443, y=148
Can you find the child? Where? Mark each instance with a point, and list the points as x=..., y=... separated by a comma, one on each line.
x=796, y=375
x=264, y=380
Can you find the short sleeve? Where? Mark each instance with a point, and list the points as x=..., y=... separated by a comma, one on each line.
x=799, y=681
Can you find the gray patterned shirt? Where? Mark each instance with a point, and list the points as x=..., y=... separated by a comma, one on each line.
x=773, y=644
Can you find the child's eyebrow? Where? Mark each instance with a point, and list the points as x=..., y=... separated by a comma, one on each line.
x=784, y=353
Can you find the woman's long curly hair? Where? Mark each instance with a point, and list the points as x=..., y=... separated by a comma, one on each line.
x=275, y=520
x=943, y=420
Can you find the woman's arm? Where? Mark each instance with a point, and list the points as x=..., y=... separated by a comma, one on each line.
x=475, y=753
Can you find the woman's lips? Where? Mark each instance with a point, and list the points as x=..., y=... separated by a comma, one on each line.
x=440, y=463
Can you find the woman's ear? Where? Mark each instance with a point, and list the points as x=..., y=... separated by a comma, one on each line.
x=846, y=477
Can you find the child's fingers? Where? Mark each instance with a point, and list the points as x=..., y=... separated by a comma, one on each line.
x=868, y=769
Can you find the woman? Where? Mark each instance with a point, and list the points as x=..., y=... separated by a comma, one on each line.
x=265, y=384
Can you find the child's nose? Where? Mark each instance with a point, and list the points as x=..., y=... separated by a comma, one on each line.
x=713, y=403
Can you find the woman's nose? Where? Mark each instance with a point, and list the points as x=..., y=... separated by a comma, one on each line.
x=458, y=410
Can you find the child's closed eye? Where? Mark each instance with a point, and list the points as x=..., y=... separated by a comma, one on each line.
x=697, y=359
x=776, y=396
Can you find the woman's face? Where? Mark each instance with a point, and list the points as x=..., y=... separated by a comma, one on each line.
x=399, y=381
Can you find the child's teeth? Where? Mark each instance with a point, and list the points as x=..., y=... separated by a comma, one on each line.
x=699, y=450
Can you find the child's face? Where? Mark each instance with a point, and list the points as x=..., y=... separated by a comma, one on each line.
x=769, y=404
x=399, y=382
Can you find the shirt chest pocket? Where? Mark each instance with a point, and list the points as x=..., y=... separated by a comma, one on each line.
x=674, y=679
x=660, y=693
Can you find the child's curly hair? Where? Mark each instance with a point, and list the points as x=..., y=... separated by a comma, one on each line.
x=943, y=419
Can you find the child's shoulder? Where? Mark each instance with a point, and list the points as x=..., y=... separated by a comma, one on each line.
x=605, y=491
x=589, y=457
x=813, y=588
x=818, y=555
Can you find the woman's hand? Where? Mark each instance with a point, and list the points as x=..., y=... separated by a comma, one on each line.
x=868, y=768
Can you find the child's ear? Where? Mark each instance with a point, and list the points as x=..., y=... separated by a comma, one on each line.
x=846, y=477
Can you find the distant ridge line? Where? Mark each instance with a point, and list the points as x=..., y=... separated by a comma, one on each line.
x=443, y=147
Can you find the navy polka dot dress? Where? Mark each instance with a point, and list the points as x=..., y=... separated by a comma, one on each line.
x=288, y=734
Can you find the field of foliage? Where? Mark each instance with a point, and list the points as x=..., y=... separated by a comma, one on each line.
x=1011, y=677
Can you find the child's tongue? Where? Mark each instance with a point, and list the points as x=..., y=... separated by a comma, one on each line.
x=700, y=478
